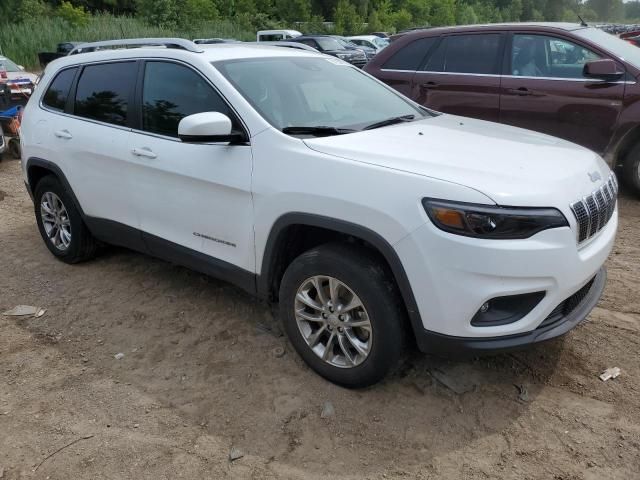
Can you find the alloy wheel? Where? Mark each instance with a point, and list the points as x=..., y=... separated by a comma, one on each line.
x=55, y=221
x=333, y=321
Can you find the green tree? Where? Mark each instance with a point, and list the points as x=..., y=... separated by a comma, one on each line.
x=76, y=16
x=346, y=19
x=442, y=12
x=159, y=13
x=293, y=10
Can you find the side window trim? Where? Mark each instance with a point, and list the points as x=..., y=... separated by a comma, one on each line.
x=138, y=128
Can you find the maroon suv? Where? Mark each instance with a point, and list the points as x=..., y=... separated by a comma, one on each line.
x=567, y=80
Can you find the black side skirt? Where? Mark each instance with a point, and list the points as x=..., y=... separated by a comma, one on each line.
x=115, y=233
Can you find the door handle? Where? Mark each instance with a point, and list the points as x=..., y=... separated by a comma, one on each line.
x=144, y=152
x=522, y=92
x=429, y=85
x=63, y=134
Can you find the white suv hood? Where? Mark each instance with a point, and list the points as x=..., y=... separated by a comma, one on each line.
x=512, y=166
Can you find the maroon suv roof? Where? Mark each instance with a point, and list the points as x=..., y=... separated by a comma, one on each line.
x=493, y=26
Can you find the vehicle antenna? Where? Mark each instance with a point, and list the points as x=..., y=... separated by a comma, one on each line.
x=582, y=22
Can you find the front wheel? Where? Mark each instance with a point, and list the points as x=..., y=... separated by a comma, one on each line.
x=342, y=314
x=631, y=169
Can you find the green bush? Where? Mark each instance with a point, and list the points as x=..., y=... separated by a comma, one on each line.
x=22, y=41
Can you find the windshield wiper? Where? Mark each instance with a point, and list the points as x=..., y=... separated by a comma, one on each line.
x=317, y=131
x=390, y=121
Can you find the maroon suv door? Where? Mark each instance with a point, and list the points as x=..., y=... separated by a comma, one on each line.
x=462, y=76
x=544, y=89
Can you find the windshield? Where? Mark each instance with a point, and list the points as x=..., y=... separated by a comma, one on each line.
x=327, y=43
x=9, y=66
x=314, y=91
x=621, y=49
x=381, y=42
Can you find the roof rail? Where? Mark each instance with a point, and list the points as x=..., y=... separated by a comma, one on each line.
x=178, y=43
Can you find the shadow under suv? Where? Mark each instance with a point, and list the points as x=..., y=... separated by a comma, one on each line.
x=567, y=80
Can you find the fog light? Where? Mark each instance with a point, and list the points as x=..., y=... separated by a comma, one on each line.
x=505, y=310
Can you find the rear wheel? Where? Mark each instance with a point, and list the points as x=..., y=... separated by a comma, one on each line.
x=60, y=223
x=342, y=314
x=631, y=169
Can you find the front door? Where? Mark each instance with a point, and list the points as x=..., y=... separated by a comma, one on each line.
x=196, y=196
x=462, y=76
x=546, y=91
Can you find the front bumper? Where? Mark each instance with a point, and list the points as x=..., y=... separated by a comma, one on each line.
x=451, y=277
x=446, y=345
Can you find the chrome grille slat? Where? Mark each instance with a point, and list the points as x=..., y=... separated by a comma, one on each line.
x=594, y=211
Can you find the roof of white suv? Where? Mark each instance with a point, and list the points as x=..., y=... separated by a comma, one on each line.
x=208, y=53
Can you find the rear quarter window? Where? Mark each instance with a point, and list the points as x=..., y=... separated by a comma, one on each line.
x=56, y=95
x=411, y=55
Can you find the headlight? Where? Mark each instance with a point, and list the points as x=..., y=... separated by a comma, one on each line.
x=492, y=222
x=342, y=55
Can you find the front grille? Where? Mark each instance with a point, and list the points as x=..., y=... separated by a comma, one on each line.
x=595, y=210
x=568, y=306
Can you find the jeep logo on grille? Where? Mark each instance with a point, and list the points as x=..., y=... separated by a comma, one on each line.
x=595, y=176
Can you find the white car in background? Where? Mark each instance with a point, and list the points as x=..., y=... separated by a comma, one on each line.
x=276, y=35
x=19, y=81
x=371, y=41
x=369, y=219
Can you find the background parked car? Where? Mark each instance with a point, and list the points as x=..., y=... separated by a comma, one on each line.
x=212, y=41
x=20, y=83
x=369, y=52
x=371, y=41
x=332, y=46
x=566, y=80
x=276, y=35
x=63, y=49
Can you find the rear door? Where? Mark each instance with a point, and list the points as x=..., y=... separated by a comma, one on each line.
x=90, y=136
x=398, y=71
x=544, y=89
x=462, y=76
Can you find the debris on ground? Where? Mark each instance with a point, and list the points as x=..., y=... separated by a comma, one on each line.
x=278, y=352
x=235, y=454
x=610, y=373
x=457, y=383
x=523, y=393
x=327, y=410
x=25, y=310
x=119, y=356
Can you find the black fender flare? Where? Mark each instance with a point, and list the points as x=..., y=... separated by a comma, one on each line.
x=55, y=170
x=264, y=280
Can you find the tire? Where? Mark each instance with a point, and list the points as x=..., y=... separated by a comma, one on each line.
x=631, y=169
x=358, y=275
x=78, y=244
x=13, y=149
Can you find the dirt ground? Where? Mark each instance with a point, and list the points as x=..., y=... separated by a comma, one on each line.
x=201, y=375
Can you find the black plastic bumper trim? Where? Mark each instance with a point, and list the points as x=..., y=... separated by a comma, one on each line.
x=445, y=345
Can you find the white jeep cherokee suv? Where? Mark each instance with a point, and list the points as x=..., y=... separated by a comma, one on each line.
x=301, y=179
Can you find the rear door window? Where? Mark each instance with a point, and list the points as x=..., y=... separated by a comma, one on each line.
x=411, y=56
x=476, y=54
x=172, y=92
x=56, y=95
x=105, y=92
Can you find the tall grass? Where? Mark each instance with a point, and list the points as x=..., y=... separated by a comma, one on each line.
x=22, y=42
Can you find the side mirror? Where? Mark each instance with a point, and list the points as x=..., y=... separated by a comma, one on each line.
x=21, y=67
x=207, y=127
x=605, y=69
